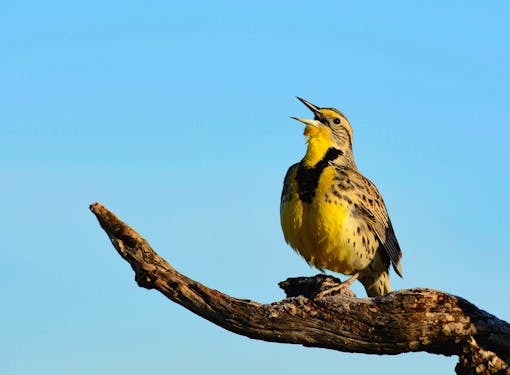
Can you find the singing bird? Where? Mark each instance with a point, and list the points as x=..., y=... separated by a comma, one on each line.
x=333, y=215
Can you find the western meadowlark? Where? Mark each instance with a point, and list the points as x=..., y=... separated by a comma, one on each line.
x=331, y=214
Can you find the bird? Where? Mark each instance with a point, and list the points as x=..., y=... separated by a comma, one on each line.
x=331, y=214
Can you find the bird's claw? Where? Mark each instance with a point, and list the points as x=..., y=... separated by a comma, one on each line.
x=342, y=290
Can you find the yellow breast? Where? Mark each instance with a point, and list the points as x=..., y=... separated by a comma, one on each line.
x=320, y=230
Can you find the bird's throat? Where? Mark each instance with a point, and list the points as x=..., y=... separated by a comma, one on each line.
x=308, y=177
x=318, y=146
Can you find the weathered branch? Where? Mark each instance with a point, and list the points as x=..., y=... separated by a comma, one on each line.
x=403, y=321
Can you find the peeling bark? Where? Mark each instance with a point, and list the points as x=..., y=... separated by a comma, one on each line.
x=409, y=320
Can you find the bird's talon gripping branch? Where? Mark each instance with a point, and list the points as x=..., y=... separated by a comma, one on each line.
x=343, y=289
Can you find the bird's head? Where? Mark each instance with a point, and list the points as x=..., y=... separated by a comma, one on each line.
x=329, y=128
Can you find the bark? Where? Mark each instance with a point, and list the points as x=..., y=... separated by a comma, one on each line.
x=409, y=320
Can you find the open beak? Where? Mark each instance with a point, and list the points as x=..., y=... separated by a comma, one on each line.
x=312, y=108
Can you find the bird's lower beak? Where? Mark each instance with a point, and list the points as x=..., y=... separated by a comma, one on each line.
x=312, y=126
x=307, y=121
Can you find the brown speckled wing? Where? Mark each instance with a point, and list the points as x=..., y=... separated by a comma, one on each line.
x=370, y=206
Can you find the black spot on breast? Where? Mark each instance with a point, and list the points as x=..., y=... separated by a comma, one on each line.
x=308, y=178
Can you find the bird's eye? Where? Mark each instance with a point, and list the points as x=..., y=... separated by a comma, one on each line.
x=336, y=121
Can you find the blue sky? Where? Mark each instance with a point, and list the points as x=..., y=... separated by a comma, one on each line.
x=176, y=117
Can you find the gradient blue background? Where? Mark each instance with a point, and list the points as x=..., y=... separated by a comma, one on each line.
x=175, y=116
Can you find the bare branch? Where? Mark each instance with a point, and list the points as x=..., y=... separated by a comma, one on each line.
x=403, y=321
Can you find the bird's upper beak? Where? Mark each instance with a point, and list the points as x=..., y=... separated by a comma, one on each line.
x=314, y=109
x=310, y=106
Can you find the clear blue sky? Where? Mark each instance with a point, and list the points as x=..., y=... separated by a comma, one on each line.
x=176, y=117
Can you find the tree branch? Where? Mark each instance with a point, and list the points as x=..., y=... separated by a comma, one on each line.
x=403, y=321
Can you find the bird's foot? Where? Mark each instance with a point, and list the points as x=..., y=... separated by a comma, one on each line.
x=342, y=289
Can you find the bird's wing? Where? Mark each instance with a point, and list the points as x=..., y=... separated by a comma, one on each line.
x=370, y=206
x=287, y=188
